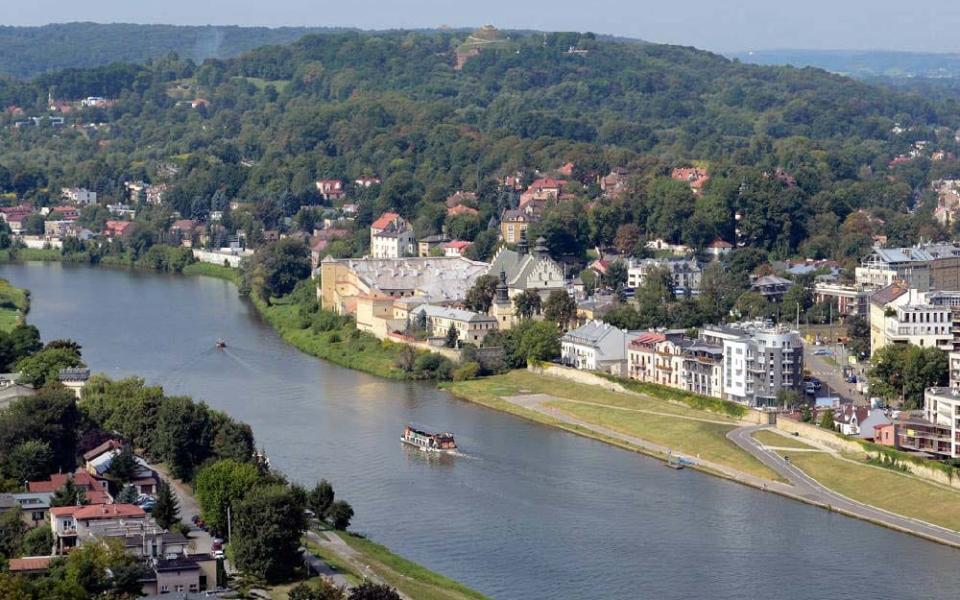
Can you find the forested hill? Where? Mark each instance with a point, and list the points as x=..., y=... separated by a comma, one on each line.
x=30, y=51
x=796, y=153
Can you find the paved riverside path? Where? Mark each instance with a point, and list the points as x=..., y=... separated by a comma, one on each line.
x=800, y=487
x=809, y=489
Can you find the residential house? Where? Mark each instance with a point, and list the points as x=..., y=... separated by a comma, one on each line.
x=71, y=523
x=459, y=197
x=695, y=176
x=95, y=488
x=462, y=209
x=322, y=239
x=596, y=346
x=185, y=232
x=34, y=506
x=614, y=184
x=116, y=229
x=660, y=245
x=702, y=371
x=685, y=274
x=81, y=196
x=514, y=223
x=718, y=248
x=771, y=287
x=546, y=189
x=331, y=189
x=74, y=378
x=883, y=305
x=937, y=432
x=122, y=211
x=848, y=418
x=910, y=318
x=65, y=213
x=471, y=327
x=156, y=192
x=425, y=246
x=658, y=357
x=366, y=182
x=391, y=236
x=850, y=300
x=455, y=247
x=29, y=565
x=97, y=462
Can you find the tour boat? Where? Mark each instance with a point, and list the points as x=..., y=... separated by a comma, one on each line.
x=429, y=442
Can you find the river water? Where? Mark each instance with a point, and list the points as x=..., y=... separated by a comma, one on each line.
x=530, y=512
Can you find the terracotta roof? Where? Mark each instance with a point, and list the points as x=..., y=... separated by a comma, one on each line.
x=30, y=563
x=462, y=209
x=108, y=511
x=646, y=339
x=80, y=478
x=888, y=294
x=104, y=447
x=384, y=221
x=718, y=243
x=64, y=511
x=461, y=244
x=547, y=183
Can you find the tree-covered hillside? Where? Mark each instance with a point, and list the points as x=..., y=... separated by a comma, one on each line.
x=793, y=154
x=30, y=51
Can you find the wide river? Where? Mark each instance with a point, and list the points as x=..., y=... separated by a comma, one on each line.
x=529, y=512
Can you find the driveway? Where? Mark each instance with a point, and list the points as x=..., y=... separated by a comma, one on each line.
x=202, y=540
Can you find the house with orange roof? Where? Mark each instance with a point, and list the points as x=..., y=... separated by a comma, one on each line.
x=462, y=209
x=94, y=488
x=695, y=176
x=391, y=236
x=545, y=188
x=116, y=229
x=331, y=189
x=456, y=247
x=71, y=523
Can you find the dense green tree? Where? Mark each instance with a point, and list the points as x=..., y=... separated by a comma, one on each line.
x=905, y=371
x=267, y=526
x=480, y=297
x=29, y=460
x=166, y=512
x=826, y=419
x=323, y=589
x=320, y=498
x=44, y=367
x=124, y=465
x=527, y=304
x=560, y=308
x=69, y=495
x=221, y=485
x=858, y=335
x=340, y=513
x=50, y=417
x=37, y=542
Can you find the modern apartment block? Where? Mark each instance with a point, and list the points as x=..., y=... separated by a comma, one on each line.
x=938, y=433
x=759, y=361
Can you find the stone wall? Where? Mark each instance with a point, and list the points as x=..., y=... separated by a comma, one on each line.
x=218, y=258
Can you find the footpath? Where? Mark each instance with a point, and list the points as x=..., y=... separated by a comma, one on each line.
x=799, y=486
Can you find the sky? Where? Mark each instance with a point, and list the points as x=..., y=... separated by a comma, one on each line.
x=718, y=25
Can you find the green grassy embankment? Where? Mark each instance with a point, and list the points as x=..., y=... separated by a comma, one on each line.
x=211, y=270
x=14, y=305
x=366, y=557
x=897, y=492
x=688, y=430
x=775, y=440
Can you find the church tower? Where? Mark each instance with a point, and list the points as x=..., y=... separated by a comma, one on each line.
x=502, y=308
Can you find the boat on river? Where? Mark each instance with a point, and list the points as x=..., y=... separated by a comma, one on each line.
x=429, y=442
x=221, y=343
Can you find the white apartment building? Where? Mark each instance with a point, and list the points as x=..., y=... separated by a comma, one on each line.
x=941, y=411
x=685, y=273
x=595, y=346
x=79, y=195
x=759, y=361
x=391, y=236
x=918, y=318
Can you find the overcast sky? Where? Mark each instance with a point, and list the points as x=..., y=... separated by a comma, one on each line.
x=719, y=25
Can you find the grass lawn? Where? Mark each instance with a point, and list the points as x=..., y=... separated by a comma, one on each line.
x=769, y=438
x=884, y=488
x=410, y=578
x=212, y=270
x=14, y=304
x=691, y=437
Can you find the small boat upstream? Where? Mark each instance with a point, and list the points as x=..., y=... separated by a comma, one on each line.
x=429, y=442
x=221, y=343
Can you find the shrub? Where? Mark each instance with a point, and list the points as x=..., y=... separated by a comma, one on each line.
x=466, y=371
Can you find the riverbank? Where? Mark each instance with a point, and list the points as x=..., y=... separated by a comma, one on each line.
x=698, y=434
x=14, y=305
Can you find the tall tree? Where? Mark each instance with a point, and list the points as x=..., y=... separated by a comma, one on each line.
x=320, y=498
x=266, y=533
x=527, y=304
x=167, y=509
x=560, y=308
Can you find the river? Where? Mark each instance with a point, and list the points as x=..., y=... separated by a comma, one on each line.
x=530, y=512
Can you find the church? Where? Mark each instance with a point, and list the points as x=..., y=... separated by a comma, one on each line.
x=521, y=270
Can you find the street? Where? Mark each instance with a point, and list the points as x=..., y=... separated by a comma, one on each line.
x=832, y=375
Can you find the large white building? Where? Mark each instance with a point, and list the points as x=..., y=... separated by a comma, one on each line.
x=759, y=361
x=79, y=196
x=391, y=236
x=685, y=273
x=595, y=346
x=925, y=319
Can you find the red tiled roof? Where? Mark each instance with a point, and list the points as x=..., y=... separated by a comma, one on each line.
x=108, y=511
x=646, y=339
x=462, y=209
x=80, y=478
x=461, y=244
x=30, y=563
x=64, y=511
x=98, y=497
x=718, y=243
x=547, y=183
x=104, y=447
x=385, y=219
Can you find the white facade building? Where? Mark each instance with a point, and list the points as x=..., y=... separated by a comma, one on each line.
x=595, y=346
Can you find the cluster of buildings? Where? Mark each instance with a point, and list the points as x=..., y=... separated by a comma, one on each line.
x=170, y=564
x=752, y=363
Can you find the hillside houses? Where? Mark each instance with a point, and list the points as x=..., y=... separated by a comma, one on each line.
x=391, y=236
